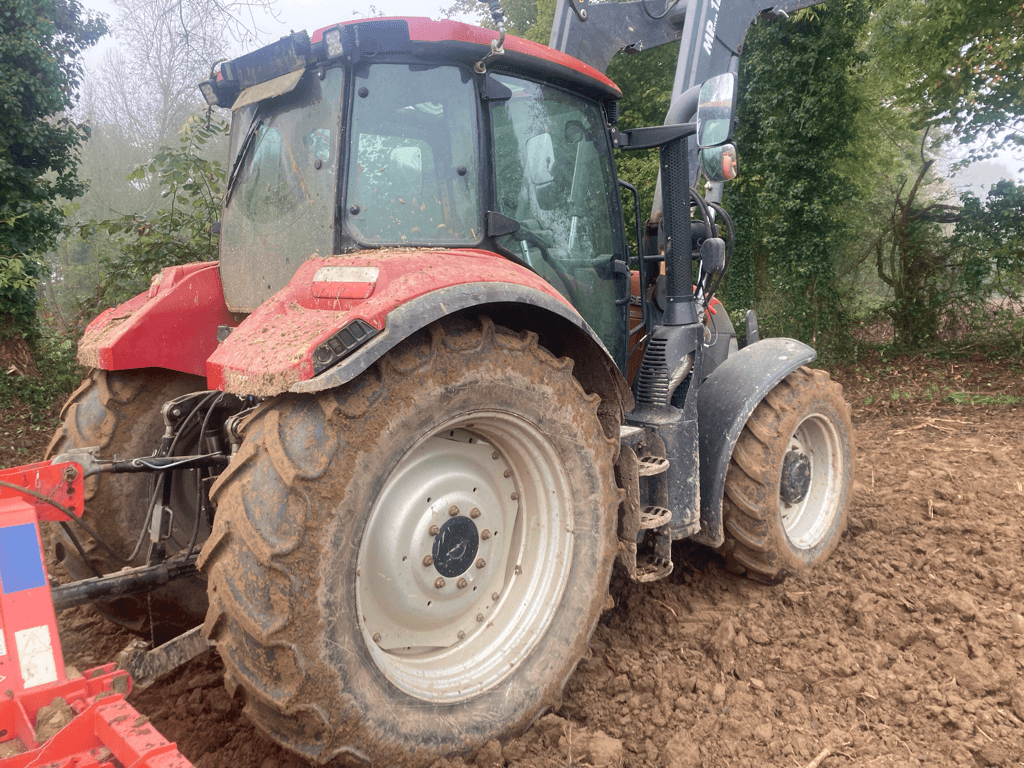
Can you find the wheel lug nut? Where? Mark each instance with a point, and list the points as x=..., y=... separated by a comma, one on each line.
x=453, y=510
x=462, y=635
x=461, y=583
x=514, y=495
x=428, y=560
x=495, y=596
x=508, y=473
x=439, y=582
x=474, y=513
x=494, y=455
x=434, y=530
x=376, y=638
x=485, y=534
x=479, y=617
x=481, y=563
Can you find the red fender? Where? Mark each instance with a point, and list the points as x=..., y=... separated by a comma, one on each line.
x=173, y=325
x=272, y=350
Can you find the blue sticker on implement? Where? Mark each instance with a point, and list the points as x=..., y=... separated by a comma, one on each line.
x=21, y=562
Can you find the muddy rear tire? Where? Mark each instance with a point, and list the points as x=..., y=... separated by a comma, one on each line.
x=412, y=565
x=120, y=413
x=788, y=487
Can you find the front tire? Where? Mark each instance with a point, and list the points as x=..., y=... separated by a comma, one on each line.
x=412, y=565
x=788, y=487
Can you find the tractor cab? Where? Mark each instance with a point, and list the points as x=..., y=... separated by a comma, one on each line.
x=395, y=134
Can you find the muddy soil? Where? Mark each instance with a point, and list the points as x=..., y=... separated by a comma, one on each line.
x=906, y=649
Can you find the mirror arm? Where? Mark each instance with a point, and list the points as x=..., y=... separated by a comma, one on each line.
x=652, y=137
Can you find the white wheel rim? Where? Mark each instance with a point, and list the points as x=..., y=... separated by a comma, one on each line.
x=808, y=521
x=436, y=631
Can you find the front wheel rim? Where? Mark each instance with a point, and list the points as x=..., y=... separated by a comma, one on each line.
x=808, y=520
x=465, y=557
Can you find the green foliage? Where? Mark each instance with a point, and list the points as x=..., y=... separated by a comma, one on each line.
x=39, y=79
x=958, y=63
x=985, y=268
x=646, y=82
x=989, y=239
x=799, y=106
x=59, y=373
x=181, y=231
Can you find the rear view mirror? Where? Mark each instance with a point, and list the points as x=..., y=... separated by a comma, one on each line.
x=715, y=110
x=718, y=163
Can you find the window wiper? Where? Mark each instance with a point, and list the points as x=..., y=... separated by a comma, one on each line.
x=243, y=152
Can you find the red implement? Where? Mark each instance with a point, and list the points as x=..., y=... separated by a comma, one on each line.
x=104, y=730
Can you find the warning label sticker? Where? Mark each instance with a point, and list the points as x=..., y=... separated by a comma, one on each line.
x=35, y=654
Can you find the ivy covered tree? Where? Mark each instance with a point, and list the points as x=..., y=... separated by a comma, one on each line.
x=797, y=116
x=40, y=74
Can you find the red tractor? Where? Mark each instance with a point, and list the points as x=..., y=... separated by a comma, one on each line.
x=388, y=449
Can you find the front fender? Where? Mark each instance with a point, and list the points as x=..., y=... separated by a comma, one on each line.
x=724, y=403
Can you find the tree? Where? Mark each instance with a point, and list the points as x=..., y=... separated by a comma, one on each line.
x=148, y=84
x=182, y=230
x=958, y=63
x=799, y=107
x=40, y=74
x=144, y=100
x=910, y=258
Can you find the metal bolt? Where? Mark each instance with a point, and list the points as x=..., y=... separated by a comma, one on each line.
x=508, y=473
x=376, y=638
x=481, y=563
x=495, y=596
x=428, y=560
x=514, y=495
x=439, y=582
x=583, y=14
x=453, y=510
x=485, y=534
x=494, y=455
x=461, y=583
x=474, y=513
x=462, y=634
x=70, y=473
x=354, y=209
x=175, y=412
x=433, y=530
x=479, y=617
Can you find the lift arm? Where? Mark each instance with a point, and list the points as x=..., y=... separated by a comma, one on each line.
x=709, y=32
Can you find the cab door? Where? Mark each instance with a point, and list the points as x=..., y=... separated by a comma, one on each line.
x=554, y=175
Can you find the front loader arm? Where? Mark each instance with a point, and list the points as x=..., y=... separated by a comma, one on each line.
x=709, y=32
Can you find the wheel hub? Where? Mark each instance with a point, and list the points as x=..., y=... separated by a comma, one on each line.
x=796, y=477
x=455, y=547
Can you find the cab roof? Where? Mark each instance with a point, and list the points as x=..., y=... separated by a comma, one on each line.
x=467, y=43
